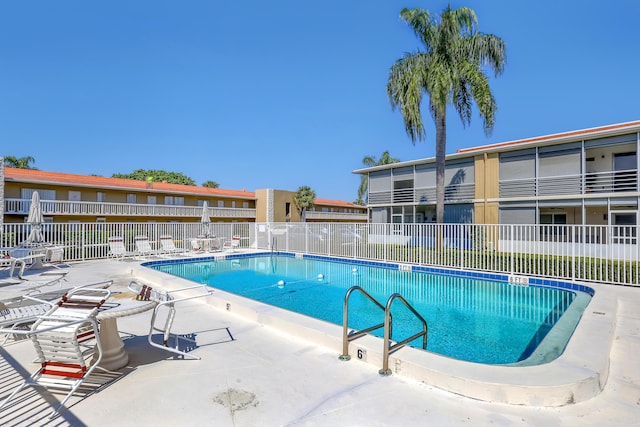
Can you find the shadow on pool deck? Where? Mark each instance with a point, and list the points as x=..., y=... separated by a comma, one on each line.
x=264, y=377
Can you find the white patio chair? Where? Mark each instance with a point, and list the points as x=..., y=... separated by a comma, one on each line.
x=167, y=299
x=232, y=244
x=18, y=260
x=196, y=247
x=67, y=343
x=117, y=248
x=169, y=247
x=143, y=246
x=19, y=312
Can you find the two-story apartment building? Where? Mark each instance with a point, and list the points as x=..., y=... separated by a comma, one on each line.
x=586, y=176
x=81, y=198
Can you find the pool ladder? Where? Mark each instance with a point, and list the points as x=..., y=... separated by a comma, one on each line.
x=348, y=336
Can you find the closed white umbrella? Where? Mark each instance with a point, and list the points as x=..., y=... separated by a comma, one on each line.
x=205, y=220
x=35, y=220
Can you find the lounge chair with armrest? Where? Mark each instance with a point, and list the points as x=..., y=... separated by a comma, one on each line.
x=169, y=299
x=169, y=247
x=117, y=249
x=67, y=343
x=143, y=247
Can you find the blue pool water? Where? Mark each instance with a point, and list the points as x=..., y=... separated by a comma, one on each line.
x=469, y=319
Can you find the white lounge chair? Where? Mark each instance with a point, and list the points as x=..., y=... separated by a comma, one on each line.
x=117, y=248
x=169, y=247
x=67, y=343
x=143, y=246
x=196, y=247
x=232, y=244
x=169, y=299
x=19, y=261
x=16, y=313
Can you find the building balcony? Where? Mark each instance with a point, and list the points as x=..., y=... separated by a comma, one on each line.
x=623, y=181
x=337, y=216
x=458, y=193
x=104, y=209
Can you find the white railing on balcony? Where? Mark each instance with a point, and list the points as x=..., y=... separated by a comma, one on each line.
x=65, y=207
x=337, y=216
x=602, y=254
x=452, y=193
x=611, y=182
x=577, y=184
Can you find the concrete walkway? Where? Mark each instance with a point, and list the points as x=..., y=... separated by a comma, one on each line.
x=252, y=375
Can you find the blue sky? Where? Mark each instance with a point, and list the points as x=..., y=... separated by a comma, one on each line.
x=279, y=94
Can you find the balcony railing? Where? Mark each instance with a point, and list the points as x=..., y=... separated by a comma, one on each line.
x=577, y=184
x=337, y=216
x=65, y=207
x=422, y=195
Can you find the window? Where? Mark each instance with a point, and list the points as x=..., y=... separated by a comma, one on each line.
x=151, y=200
x=74, y=196
x=626, y=178
x=553, y=218
x=233, y=204
x=27, y=193
x=624, y=227
x=101, y=197
x=403, y=191
x=221, y=203
x=245, y=205
x=131, y=198
x=174, y=200
x=552, y=225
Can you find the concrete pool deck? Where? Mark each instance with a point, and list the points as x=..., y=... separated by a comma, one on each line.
x=256, y=375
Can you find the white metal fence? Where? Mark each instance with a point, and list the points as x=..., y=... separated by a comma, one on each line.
x=607, y=254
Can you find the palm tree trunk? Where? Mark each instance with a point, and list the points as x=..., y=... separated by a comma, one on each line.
x=441, y=148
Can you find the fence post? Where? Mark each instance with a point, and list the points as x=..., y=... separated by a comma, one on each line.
x=573, y=253
x=511, y=253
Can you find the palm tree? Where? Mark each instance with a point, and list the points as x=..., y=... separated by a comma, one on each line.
x=20, y=163
x=385, y=159
x=210, y=184
x=450, y=72
x=304, y=199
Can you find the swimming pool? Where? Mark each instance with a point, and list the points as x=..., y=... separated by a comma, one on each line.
x=470, y=318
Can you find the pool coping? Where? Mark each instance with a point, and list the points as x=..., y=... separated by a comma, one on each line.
x=578, y=374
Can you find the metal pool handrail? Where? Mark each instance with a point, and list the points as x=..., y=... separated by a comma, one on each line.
x=388, y=323
x=353, y=335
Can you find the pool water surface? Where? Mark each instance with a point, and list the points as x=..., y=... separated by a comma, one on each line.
x=471, y=319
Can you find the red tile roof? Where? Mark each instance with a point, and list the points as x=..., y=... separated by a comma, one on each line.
x=583, y=132
x=336, y=203
x=58, y=178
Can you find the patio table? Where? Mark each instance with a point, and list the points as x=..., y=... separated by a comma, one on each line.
x=118, y=305
x=210, y=244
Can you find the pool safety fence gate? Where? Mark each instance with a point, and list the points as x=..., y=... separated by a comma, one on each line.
x=584, y=253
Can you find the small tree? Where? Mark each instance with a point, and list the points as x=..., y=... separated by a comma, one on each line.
x=156, y=176
x=20, y=163
x=210, y=184
x=304, y=199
